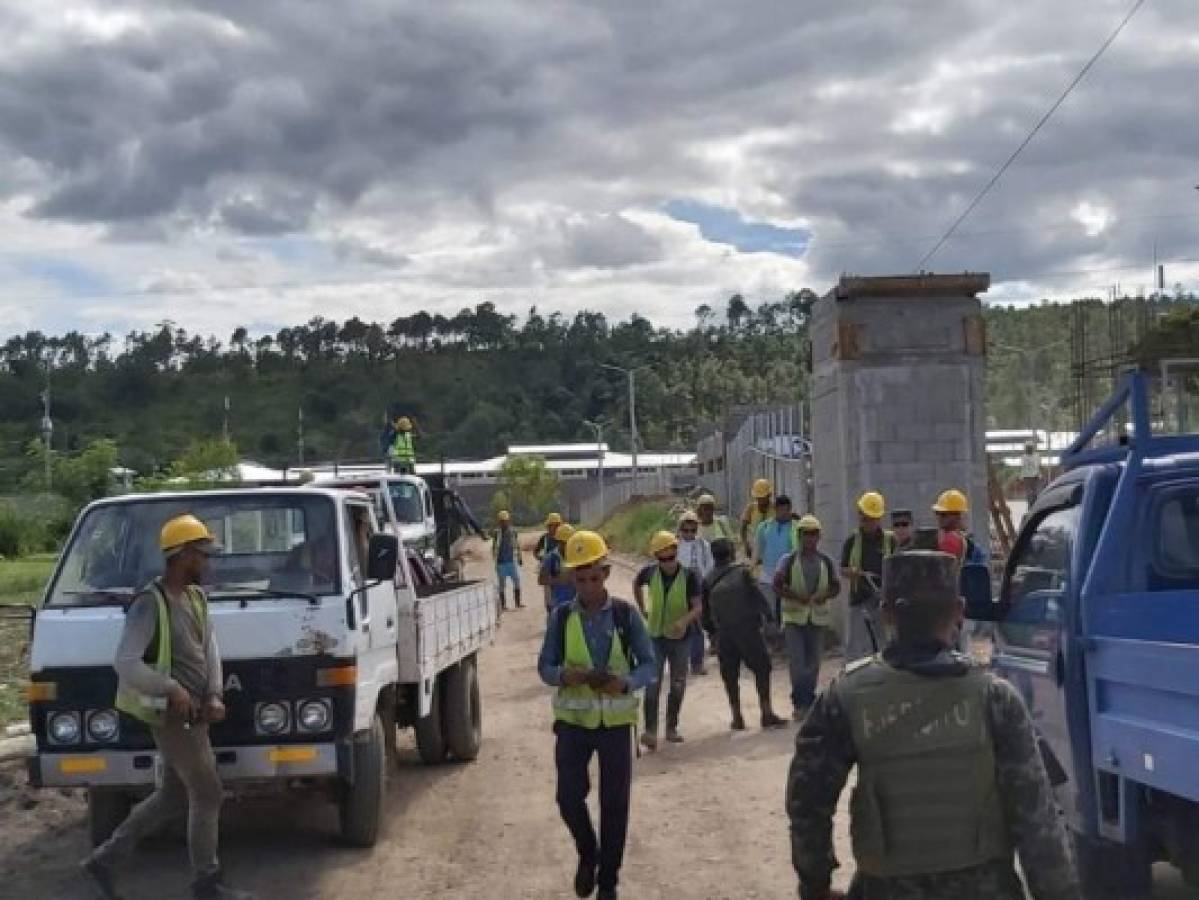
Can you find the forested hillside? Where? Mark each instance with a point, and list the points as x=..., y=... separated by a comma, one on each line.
x=474, y=382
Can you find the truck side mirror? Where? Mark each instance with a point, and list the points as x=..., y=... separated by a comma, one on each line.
x=383, y=557
x=975, y=585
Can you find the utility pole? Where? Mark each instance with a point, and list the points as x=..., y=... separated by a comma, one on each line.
x=631, y=375
x=300, y=433
x=225, y=421
x=598, y=428
x=47, y=429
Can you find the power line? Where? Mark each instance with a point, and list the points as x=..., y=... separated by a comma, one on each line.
x=1032, y=134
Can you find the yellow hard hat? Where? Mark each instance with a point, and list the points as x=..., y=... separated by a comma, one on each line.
x=762, y=488
x=585, y=548
x=872, y=504
x=504, y=515
x=183, y=530
x=952, y=501
x=663, y=540
x=565, y=532
x=705, y=500
x=688, y=516
x=404, y=423
x=553, y=519
x=809, y=523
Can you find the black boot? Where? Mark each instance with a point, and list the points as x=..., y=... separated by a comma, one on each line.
x=213, y=887
x=518, y=603
x=584, y=878
x=99, y=879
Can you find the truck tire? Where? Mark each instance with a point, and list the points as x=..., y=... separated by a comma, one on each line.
x=106, y=809
x=430, y=736
x=462, y=710
x=1111, y=871
x=361, y=803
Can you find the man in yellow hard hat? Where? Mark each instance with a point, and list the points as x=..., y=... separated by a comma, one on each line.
x=598, y=654
x=554, y=576
x=402, y=452
x=712, y=527
x=547, y=541
x=505, y=552
x=806, y=581
x=757, y=511
x=951, y=510
x=675, y=604
x=169, y=677
x=862, y=566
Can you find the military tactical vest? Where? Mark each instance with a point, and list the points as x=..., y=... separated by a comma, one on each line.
x=926, y=799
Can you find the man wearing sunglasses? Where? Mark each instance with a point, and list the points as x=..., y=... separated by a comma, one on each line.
x=675, y=604
x=169, y=677
x=598, y=654
x=901, y=527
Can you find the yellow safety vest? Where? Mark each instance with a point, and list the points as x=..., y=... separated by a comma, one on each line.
x=815, y=612
x=666, y=607
x=152, y=710
x=719, y=528
x=855, y=550
x=402, y=448
x=580, y=705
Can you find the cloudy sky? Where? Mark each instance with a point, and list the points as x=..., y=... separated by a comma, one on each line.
x=233, y=163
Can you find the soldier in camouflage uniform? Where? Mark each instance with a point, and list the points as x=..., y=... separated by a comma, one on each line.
x=950, y=783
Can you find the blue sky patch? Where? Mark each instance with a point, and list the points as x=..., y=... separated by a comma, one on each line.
x=726, y=226
x=69, y=277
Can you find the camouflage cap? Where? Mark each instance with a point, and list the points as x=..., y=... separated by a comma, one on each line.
x=920, y=575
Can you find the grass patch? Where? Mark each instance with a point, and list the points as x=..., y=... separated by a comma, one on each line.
x=630, y=526
x=21, y=581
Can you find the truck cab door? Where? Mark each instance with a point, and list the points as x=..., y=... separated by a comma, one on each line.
x=1030, y=640
x=376, y=604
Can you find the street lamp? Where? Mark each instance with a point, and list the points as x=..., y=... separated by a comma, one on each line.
x=631, y=374
x=598, y=428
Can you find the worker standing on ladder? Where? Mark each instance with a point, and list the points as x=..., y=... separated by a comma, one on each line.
x=401, y=453
x=598, y=654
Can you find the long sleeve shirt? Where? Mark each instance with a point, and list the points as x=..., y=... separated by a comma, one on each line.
x=696, y=555
x=599, y=629
x=195, y=657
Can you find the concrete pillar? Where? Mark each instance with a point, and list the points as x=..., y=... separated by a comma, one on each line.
x=898, y=395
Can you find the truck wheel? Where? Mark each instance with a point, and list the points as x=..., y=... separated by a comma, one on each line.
x=106, y=809
x=430, y=737
x=362, y=802
x=1111, y=871
x=463, y=711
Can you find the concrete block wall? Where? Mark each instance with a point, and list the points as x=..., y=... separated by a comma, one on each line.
x=898, y=397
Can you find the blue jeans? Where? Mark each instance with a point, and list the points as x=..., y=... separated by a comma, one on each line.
x=505, y=571
x=805, y=646
x=667, y=651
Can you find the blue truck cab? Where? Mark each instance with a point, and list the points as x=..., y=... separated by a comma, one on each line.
x=1097, y=623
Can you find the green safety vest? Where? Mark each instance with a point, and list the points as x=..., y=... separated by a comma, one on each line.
x=855, y=550
x=151, y=710
x=926, y=799
x=813, y=612
x=582, y=706
x=667, y=607
x=719, y=528
x=402, y=448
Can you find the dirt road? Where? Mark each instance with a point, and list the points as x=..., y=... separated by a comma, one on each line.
x=707, y=821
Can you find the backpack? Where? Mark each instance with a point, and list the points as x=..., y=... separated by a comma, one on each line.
x=622, y=618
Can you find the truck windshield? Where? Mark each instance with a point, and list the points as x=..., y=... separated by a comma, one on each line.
x=405, y=497
x=269, y=544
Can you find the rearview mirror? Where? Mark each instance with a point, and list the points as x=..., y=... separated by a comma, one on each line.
x=975, y=585
x=383, y=557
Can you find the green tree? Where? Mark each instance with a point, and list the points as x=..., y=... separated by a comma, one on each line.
x=529, y=485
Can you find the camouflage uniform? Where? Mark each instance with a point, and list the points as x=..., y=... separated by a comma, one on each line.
x=825, y=753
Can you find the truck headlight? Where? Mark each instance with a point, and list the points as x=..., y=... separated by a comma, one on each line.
x=313, y=716
x=103, y=726
x=272, y=718
x=63, y=728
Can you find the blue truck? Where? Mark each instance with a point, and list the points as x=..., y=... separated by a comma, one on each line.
x=1097, y=623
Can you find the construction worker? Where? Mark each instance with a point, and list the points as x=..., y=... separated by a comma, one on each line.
x=712, y=527
x=675, y=603
x=505, y=551
x=775, y=539
x=695, y=554
x=951, y=509
x=950, y=780
x=169, y=677
x=554, y=576
x=806, y=581
x=735, y=610
x=598, y=654
x=756, y=512
x=402, y=452
x=546, y=542
x=902, y=528
x=862, y=566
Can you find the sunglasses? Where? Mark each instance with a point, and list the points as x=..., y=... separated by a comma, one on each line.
x=689, y=530
x=668, y=559
x=902, y=525
x=589, y=579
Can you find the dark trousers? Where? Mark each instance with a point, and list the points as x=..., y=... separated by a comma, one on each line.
x=676, y=653
x=805, y=647
x=744, y=645
x=695, y=635
x=572, y=756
